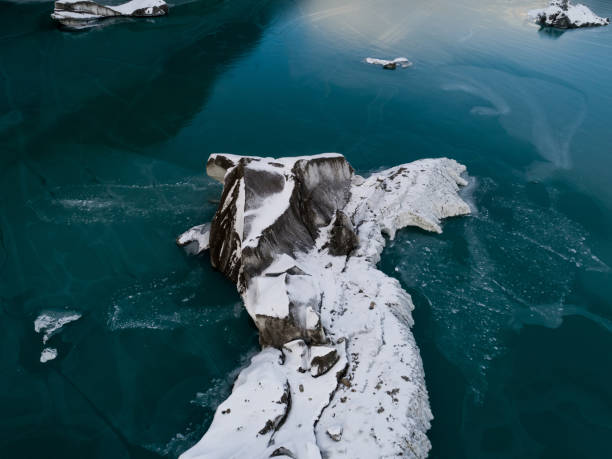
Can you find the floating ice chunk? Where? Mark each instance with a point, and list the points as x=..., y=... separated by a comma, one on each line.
x=49, y=322
x=392, y=64
x=195, y=240
x=85, y=13
x=561, y=14
x=48, y=353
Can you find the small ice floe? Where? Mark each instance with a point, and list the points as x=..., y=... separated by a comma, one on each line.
x=48, y=353
x=389, y=65
x=195, y=240
x=79, y=14
x=49, y=323
x=561, y=14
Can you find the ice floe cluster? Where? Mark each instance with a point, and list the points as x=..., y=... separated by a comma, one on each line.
x=339, y=374
x=49, y=323
x=84, y=13
x=562, y=14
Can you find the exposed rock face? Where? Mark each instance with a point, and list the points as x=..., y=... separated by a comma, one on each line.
x=84, y=13
x=342, y=238
x=561, y=14
x=340, y=374
x=271, y=207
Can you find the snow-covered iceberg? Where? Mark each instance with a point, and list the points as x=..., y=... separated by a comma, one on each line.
x=340, y=374
x=561, y=14
x=84, y=13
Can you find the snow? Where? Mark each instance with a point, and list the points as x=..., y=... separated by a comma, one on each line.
x=267, y=296
x=128, y=8
x=358, y=389
x=216, y=171
x=577, y=15
x=236, y=430
x=401, y=61
x=266, y=212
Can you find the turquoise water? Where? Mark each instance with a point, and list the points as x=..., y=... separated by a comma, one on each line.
x=103, y=139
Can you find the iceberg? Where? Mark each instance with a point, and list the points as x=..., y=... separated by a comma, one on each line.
x=403, y=62
x=85, y=13
x=561, y=14
x=339, y=374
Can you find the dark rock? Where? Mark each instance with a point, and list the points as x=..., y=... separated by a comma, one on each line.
x=343, y=238
x=321, y=364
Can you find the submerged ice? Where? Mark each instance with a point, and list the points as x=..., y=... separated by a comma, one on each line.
x=340, y=374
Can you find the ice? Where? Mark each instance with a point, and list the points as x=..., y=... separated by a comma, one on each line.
x=50, y=322
x=48, y=353
x=399, y=61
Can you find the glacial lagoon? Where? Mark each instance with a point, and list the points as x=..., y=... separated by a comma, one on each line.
x=104, y=135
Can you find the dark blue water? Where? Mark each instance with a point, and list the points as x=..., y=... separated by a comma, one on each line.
x=103, y=139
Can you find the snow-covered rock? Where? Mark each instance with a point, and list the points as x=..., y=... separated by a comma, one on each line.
x=340, y=374
x=84, y=13
x=561, y=14
x=389, y=64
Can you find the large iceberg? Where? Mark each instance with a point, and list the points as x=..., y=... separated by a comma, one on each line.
x=84, y=13
x=561, y=14
x=339, y=374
